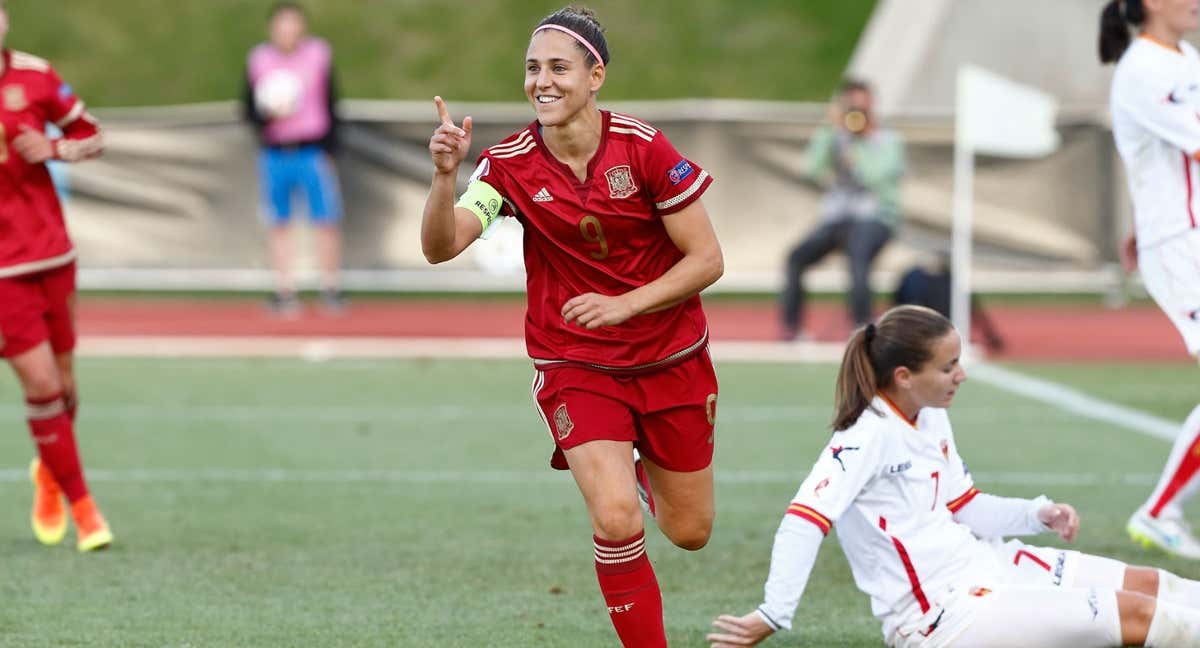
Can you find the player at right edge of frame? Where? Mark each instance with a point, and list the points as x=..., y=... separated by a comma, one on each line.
x=1155, y=104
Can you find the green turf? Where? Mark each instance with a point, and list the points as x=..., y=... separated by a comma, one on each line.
x=148, y=52
x=370, y=549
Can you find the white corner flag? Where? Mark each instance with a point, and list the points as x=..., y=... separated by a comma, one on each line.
x=994, y=116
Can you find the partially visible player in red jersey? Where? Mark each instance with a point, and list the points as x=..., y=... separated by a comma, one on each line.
x=617, y=247
x=37, y=283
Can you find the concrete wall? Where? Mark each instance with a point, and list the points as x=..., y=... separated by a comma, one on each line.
x=175, y=199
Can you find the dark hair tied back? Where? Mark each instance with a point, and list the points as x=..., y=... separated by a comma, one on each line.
x=903, y=337
x=582, y=21
x=1115, y=20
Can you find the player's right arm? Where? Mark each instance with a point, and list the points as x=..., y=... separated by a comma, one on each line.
x=846, y=466
x=447, y=229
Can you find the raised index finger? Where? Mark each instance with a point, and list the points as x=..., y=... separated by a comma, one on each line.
x=443, y=113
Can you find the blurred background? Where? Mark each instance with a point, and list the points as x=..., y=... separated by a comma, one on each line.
x=738, y=87
x=376, y=476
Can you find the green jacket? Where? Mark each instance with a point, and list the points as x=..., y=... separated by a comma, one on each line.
x=873, y=178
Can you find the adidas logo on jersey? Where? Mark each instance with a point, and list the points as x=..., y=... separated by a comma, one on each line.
x=542, y=196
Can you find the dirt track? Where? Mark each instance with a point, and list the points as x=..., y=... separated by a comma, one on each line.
x=1032, y=332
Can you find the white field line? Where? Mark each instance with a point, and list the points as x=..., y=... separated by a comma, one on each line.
x=1076, y=402
x=800, y=416
x=518, y=478
x=292, y=413
x=328, y=348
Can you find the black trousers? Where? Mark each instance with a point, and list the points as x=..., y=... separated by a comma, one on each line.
x=861, y=240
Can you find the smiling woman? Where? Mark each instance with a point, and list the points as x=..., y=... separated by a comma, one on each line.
x=617, y=247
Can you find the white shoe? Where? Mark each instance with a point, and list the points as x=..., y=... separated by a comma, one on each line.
x=1172, y=535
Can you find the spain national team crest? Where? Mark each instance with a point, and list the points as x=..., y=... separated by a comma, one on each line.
x=620, y=182
x=562, y=422
x=14, y=98
x=945, y=448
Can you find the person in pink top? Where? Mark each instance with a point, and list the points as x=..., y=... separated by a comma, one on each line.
x=290, y=99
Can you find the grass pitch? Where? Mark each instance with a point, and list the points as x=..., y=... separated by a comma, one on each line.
x=352, y=503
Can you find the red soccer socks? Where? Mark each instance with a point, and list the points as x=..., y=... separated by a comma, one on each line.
x=53, y=432
x=631, y=591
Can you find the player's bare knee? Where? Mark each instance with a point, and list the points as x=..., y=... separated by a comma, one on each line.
x=1143, y=580
x=42, y=385
x=617, y=521
x=1136, y=612
x=692, y=538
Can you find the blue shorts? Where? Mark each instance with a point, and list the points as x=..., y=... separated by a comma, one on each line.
x=283, y=170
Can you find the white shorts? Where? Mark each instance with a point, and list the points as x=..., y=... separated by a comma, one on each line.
x=1171, y=272
x=1043, y=617
x=1045, y=598
x=1026, y=565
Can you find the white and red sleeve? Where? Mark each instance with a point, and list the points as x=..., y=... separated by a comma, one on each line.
x=846, y=466
x=988, y=516
x=673, y=181
x=81, y=138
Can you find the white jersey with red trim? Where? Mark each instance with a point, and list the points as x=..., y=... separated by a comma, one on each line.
x=1156, y=124
x=891, y=486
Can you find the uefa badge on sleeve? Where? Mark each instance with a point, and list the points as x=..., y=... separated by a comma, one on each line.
x=620, y=182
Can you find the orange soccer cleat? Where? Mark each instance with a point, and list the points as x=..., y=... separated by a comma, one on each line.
x=49, y=516
x=91, y=527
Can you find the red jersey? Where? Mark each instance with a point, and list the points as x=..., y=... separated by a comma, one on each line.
x=33, y=236
x=603, y=235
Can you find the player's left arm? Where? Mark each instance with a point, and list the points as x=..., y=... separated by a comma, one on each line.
x=81, y=139
x=991, y=516
x=702, y=264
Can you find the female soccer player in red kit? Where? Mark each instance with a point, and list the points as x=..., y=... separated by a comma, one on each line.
x=617, y=247
x=37, y=283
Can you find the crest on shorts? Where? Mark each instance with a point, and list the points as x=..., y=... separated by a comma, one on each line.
x=14, y=98
x=620, y=182
x=945, y=448
x=562, y=422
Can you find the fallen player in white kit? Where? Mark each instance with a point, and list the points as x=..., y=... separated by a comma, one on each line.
x=926, y=545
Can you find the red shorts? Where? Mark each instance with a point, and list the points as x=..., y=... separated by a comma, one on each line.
x=667, y=414
x=35, y=308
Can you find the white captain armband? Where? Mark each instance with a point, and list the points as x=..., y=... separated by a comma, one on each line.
x=484, y=201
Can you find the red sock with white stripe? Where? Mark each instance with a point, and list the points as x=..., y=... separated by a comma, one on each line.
x=631, y=591
x=52, y=431
x=1178, y=480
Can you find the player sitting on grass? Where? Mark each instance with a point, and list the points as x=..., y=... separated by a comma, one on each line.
x=926, y=545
